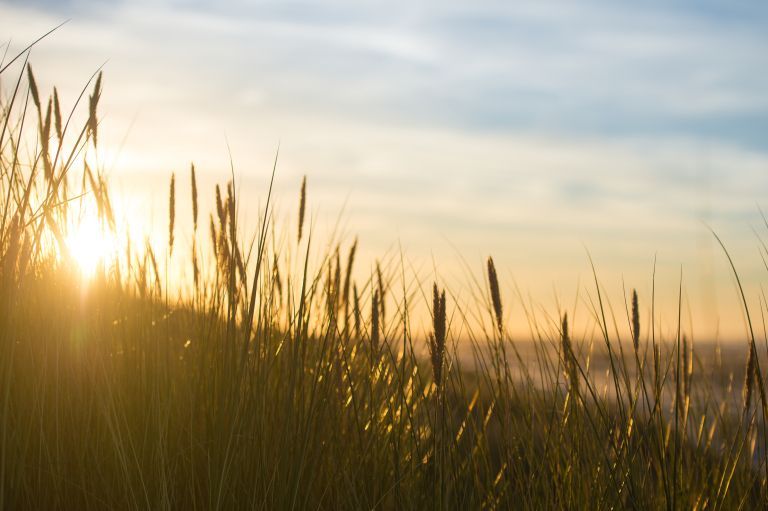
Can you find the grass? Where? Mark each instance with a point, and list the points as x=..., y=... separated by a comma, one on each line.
x=265, y=381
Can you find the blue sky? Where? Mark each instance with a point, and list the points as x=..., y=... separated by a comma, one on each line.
x=524, y=129
x=694, y=69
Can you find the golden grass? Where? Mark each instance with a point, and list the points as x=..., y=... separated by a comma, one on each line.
x=257, y=387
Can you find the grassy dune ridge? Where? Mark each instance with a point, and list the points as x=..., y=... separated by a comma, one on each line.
x=265, y=381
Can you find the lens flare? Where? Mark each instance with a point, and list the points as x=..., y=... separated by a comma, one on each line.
x=90, y=244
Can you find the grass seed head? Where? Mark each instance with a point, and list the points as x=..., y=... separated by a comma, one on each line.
x=220, y=211
x=33, y=87
x=569, y=355
x=356, y=311
x=437, y=338
x=193, y=181
x=382, y=290
x=348, y=274
x=375, y=322
x=635, y=322
x=45, y=128
x=688, y=366
x=231, y=212
x=749, y=378
x=171, y=212
x=57, y=114
x=302, y=205
x=564, y=333
x=93, y=102
x=45, y=135
x=224, y=254
x=214, y=237
x=240, y=266
x=493, y=282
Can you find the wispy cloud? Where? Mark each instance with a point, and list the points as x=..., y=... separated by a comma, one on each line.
x=622, y=126
x=605, y=69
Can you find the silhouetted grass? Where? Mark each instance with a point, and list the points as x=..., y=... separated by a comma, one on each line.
x=256, y=386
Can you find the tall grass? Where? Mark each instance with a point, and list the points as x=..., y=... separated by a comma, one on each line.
x=274, y=383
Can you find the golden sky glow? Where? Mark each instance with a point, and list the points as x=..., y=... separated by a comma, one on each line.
x=90, y=244
x=531, y=133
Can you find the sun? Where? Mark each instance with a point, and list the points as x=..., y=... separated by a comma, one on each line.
x=90, y=244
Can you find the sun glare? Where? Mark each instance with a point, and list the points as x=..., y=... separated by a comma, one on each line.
x=90, y=244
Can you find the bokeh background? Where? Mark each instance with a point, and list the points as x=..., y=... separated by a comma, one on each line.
x=449, y=131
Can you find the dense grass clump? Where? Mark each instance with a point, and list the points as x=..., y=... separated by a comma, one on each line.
x=266, y=381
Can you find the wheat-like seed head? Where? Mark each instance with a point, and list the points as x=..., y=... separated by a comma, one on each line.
x=493, y=282
x=437, y=338
x=569, y=355
x=45, y=128
x=220, y=211
x=302, y=205
x=171, y=212
x=687, y=366
x=57, y=114
x=231, y=212
x=635, y=322
x=348, y=274
x=566, y=341
x=45, y=132
x=33, y=87
x=356, y=311
x=193, y=181
x=214, y=237
x=45, y=135
x=240, y=265
x=382, y=291
x=93, y=102
x=224, y=253
x=749, y=378
x=375, y=322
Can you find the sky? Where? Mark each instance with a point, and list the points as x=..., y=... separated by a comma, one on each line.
x=536, y=132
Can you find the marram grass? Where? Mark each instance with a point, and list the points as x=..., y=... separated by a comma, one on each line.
x=273, y=383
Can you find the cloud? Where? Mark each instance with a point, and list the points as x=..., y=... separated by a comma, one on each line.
x=604, y=69
x=529, y=129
